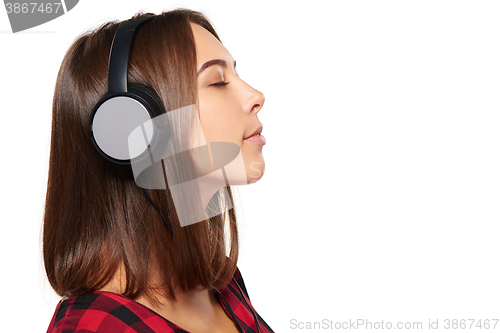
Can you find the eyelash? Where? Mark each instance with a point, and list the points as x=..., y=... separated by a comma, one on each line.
x=220, y=84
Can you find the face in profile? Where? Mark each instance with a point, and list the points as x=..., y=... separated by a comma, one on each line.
x=228, y=106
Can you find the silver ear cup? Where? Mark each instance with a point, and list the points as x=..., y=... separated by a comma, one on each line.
x=113, y=122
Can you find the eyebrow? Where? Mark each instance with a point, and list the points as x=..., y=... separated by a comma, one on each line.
x=213, y=62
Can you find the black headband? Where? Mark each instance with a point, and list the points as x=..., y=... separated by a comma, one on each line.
x=120, y=49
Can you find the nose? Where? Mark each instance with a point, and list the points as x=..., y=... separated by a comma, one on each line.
x=253, y=101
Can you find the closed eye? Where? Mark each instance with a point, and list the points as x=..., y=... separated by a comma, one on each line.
x=220, y=84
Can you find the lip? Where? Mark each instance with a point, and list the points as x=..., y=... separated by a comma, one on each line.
x=256, y=137
x=257, y=131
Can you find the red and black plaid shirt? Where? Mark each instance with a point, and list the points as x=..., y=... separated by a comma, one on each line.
x=103, y=311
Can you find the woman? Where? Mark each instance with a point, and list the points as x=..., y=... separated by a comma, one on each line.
x=119, y=254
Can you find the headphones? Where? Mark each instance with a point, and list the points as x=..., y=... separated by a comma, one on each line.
x=126, y=106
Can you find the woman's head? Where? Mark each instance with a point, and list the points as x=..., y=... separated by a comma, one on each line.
x=96, y=219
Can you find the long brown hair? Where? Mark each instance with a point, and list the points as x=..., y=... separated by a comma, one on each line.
x=96, y=218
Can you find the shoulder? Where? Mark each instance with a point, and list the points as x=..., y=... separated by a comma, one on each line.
x=105, y=312
x=236, y=295
x=237, y=281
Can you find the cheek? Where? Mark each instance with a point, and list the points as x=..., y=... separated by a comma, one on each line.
x=220, y=121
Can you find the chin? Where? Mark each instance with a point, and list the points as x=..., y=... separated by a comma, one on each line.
x=255, y=171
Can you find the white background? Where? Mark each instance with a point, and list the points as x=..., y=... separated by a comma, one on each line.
x=381, y=195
